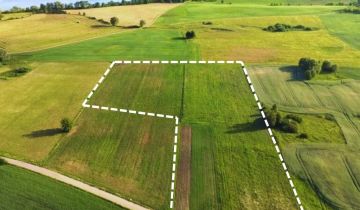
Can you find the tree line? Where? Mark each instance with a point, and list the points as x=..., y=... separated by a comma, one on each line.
x=59, y=7
x=280, y=27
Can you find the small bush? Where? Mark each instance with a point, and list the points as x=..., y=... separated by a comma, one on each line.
x=66, y=125
x=15, y=72
x=330, y=117
x=190, y=35
x=142, y=23
x=303, y=136
x=309, y=74
x=287, y=125
x=84, y=14
x=296, y=118
x=2, y=162
x=114, y=21
x=333, y=69
x=326, y=66
x=280, y=27
x=207, y=23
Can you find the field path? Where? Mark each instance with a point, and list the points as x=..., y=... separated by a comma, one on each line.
x=75, y=183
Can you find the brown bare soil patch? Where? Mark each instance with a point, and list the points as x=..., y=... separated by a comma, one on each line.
x=183, y=174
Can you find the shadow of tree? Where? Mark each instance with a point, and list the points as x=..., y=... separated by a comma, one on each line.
x=44, y=133
x=2, y=162
x=101, y=26
x=294, y=71
x=256, y=125
x=129, y=27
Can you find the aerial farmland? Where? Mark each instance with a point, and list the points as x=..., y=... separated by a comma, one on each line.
x=228, y=104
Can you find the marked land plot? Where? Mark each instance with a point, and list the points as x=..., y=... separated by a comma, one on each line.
x=128, y=154
x=129, y=136
x=142, y=87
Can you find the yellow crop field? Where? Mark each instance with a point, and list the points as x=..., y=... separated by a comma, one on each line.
x=42, y=31
x=130, y=14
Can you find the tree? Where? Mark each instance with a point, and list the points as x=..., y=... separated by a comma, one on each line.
x=290, y=126
x=1, y=16
x=333, y=68
x=142, y=23
x=190, y=35
x=309, y=74
x=307, y=64
x=274, y=117
x=326, y=66
x=66, y=125
x=114, y=21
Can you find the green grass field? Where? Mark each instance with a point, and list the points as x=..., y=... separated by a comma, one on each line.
x=231, y=150
x=141, y=44
x=43, y=31
x=143, y=87
x=125, y=154
x=27, y=131
x=21, y=189
x=135, y=163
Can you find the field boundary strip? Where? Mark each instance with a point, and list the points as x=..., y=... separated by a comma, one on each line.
x=176, y=119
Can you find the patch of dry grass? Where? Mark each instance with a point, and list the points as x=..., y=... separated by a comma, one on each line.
x=128, y=15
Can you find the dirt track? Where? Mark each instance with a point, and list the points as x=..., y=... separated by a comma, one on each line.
x=93, y=190
x=183, y=181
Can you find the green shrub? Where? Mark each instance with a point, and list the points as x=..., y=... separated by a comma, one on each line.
x=190, y=35
x=280, y=27
x=309, y=74
x=288, y=125
x=333, y=68
x=66, y=125
x=273, y=116
x=2, y=162
x=326, y=66
x=15, y=72
x=142, y=23
x=207, y=23
x=114, y=21
x=296, y=118
x=307, y=64
x=330, y=117
x=303, y=136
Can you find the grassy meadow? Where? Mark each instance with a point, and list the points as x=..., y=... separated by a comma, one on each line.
x=43, y=31
x=130, y=155
x=18, y=15
x=21, y=189
x=231, y=150
x=29, y=125
x=142, y=87
x=234, y=165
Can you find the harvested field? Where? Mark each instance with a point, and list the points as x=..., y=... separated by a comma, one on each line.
x=130, y=14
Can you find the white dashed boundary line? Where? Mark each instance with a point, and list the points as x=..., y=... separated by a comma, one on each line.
x=176, y=119
x=263, y=115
